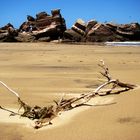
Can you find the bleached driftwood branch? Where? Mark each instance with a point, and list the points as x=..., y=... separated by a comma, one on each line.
x=45, y=115
x=115, y=82
x=12, y=91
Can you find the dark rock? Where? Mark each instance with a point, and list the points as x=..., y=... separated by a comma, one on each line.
x=113, y=27
x=56, y=13
x=77, y=31
x=102, y=33
x=71, y=35
x=52, y=31
x=45, y=25
x=7, y=33
x=79, y=27
x=3, y=36
x=100, y=29
x=41, y=15
x=30, y=18
x=130, y=31
x=7, y=26
x=25, y=27
x=90, y=25
x=25, y=37
x=12, y=31
x=99, y=33
x=44, y=39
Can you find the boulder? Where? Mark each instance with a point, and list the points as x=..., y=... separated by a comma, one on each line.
x=45, y=25
x=41, y=15
x=30, y=18
x=3, y=36
x=93, y=31
x=77, y=31
x=25, y=37
x=44, y=39
x=71, y=35
x=113, y=27
x=100, y=33
x=90, y=25
x=7, y=26
x=7, y=33
x=79, y=27
x=130, y=31
x=56, y=13
x=25, y=27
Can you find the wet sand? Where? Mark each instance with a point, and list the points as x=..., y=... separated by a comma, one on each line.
x=41, y=72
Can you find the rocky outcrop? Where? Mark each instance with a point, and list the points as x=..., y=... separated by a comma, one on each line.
x=44, y=27
x=102, y=32
x=130, y=31
x=8, y=33
x=76, y=33
x=25, y=37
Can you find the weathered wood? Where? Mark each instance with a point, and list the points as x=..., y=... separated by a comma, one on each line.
x=45, y=115
x=12, y=91
x=12, y=112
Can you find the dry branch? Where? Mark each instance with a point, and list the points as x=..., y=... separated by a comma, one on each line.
x=12, y=112
x=12, y=91
x=45, y=115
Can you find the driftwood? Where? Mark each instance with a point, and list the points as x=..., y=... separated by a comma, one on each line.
x=44, y=115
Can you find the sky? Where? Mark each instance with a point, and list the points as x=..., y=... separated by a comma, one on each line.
x=117, y=11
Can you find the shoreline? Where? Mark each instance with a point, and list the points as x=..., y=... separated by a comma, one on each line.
x=99, y=44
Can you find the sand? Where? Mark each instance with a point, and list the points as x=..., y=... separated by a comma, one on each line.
x=41, y=72
x=62, y=118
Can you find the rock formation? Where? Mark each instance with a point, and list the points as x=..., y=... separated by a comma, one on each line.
x=7, y=33
x=102, y=32
x=45, y=28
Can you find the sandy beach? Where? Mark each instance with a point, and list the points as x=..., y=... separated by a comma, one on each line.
x=41, y=72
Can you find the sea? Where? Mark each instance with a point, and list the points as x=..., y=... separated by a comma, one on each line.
x=126, y=43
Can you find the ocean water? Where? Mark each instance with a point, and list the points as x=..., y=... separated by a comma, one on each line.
x=126, y=43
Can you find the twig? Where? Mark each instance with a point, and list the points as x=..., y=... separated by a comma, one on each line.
x=13, y=113
x=15, y=93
